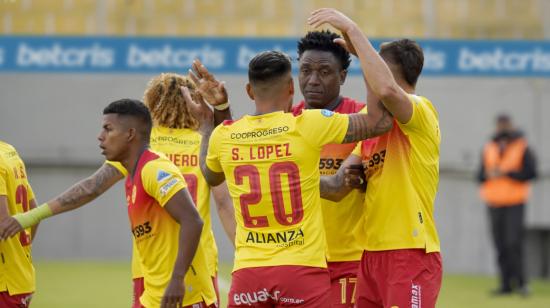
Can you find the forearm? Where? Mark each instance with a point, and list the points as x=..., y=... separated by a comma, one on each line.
x=332, y=187
x=377, y=73
x=74, y=197
x=221, y=115
x=34, y=229
x=189, y=237
x=213, y=179
x=226, y=212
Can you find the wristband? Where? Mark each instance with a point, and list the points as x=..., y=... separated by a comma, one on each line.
x=34, y=216
x=222, y=107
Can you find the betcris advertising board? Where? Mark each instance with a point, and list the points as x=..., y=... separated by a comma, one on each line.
x=58, y=54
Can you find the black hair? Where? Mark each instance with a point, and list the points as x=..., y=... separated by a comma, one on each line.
x=267, y=66
x=324, y=41
x=132, y=108
x=408, y=55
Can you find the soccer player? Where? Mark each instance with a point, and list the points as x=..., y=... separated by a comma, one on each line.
x=165, y=224
x=271, y=163
x=174, y=134
x=17, y=280
x=322, y=70
x=401, y=265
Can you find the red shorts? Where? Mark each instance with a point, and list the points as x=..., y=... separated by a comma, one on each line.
x=15, y=301
x=138, y=291
x=343, y=279
x=280, y=286
x=139, y=287
x=400, y=278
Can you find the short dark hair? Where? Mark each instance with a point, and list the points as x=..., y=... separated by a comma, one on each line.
x=324, y=41
x=503, y=118
x=267, y=66
x=408, y=55
x=132, y=108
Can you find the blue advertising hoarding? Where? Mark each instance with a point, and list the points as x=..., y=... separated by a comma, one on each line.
x=94, y=54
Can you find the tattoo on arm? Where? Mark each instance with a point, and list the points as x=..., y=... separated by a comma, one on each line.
x=89, y=188
x=362, y=126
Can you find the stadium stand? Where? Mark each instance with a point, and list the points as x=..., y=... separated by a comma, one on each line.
x=424, y=18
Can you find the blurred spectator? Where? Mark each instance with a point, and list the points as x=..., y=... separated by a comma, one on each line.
x=507, y=166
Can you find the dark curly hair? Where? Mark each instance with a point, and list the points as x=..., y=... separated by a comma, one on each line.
x=324, y=41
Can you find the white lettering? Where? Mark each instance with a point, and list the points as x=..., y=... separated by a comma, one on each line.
x=169, y=57
x=58, y=56
x=501, y=61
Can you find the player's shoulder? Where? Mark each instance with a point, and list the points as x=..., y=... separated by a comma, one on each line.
x=157, y=165
x=423, y=103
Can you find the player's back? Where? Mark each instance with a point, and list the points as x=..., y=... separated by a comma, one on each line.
x=16, y=269
x=271, y=167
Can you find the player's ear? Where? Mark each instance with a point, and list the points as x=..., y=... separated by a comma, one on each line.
x=291, y=87
x=343, y=75
x=250, y=91
x=131, y=134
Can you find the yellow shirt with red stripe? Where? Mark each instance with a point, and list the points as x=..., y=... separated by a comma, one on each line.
x=340, y=218
x=16, y=269
x=402, y=170
x=182, y=147
x=271, y=164
x=155, y=181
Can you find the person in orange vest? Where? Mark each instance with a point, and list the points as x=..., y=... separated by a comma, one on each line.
x=507, y=167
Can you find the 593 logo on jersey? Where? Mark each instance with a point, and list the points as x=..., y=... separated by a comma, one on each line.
x=374, y=162
x=142, y=230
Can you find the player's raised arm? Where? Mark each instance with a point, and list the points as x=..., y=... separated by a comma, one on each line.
x=226, y=211
x=183, y=211
x=76, y=196
x=204, y=115
x=377, y=73
x=212, y=90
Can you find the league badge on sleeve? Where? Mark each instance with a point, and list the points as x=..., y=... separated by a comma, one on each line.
x=327, y=113
x=162, y=175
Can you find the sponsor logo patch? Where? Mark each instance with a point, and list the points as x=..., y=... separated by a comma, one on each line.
x=164, y=189
x=327, y=113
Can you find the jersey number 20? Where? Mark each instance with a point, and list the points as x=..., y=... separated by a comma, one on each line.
x=276, y=171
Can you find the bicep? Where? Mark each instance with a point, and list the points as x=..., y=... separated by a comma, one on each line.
x=105, y=177
x=181, y=207
x=363, y=126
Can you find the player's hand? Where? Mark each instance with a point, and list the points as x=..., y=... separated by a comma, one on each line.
x=212, y=90
x=9, y=227
x=200, y=110
x=173, y=295
x=331, y=17
x=354, y=177
x=346, y=44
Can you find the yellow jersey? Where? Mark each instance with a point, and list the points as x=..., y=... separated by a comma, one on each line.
x=271, y=165
x=156, y=233
x=182, y=147
x=402, y=170
x=16, y=269
x=340, y=218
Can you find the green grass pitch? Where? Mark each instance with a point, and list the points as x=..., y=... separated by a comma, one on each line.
x=108, y=285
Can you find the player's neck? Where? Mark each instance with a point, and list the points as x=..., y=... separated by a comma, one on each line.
x=263, y=107
x=131, y=161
